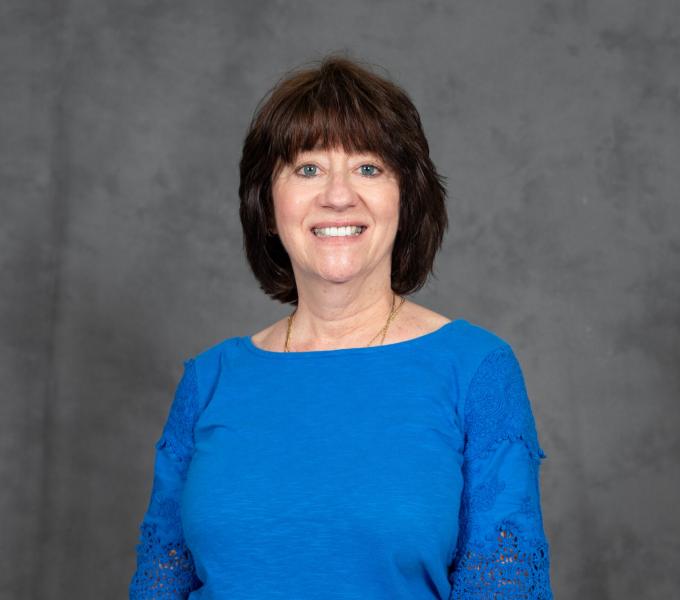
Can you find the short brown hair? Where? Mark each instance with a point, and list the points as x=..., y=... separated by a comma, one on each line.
x=340, y=103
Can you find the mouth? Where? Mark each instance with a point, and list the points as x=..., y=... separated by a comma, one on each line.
x=340, y=231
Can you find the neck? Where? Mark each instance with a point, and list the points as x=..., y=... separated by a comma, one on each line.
x=341, y=319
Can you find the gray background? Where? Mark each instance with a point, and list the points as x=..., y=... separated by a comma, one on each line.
x=557, y=125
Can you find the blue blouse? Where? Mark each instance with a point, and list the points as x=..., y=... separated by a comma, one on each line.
x=403, y=471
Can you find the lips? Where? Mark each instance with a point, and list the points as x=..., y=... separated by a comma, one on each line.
x=338, y=224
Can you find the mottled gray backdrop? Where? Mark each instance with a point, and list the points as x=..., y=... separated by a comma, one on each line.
x=121, y=123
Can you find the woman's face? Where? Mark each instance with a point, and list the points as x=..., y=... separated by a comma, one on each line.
x=330, y=187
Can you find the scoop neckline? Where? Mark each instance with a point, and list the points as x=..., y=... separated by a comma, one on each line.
x=247, y=342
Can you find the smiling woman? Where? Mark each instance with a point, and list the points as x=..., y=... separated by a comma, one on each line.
x=347, y=145
x=310, y=462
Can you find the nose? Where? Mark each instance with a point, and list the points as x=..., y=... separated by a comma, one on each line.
x=338, y=191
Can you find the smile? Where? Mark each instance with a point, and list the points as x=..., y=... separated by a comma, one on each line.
x=350, y=231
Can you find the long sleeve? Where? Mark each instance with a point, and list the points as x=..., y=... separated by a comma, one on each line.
x=502, y=549
x=165, y=566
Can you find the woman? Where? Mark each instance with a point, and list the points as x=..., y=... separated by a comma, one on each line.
x=364, y=447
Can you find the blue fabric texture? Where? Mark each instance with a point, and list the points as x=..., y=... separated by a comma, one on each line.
x=165, y=566
x=403, y=471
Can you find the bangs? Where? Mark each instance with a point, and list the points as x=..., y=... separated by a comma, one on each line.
x=333, y=112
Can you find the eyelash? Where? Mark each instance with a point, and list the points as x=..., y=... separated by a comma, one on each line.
x=376, y=167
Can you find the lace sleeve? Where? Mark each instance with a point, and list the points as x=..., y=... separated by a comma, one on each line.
x=165, y=566
x=502, y=550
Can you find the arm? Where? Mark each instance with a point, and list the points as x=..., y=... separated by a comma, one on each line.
x=165, y=566
x=502, y=549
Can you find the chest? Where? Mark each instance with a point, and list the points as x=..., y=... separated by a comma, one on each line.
x=374, y=452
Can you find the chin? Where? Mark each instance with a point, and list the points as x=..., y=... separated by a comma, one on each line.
x=338, y=276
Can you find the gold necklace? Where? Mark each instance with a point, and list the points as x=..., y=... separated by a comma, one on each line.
x=390, y=318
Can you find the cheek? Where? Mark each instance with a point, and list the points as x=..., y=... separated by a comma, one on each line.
x=389, y=206
x=286, y=205
x=291, y=213
x=290, y=210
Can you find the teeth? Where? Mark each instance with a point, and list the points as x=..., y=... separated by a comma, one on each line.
x=338, y=231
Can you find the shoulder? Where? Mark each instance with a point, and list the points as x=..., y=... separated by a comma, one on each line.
x=470, y=345
x=480, y=339
x=207, y=366
x=468, y=341
x=210, y=357
x=488, y=358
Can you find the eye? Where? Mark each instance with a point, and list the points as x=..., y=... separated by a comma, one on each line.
x=370, y=173
x=307, y=170
x=310, y=170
